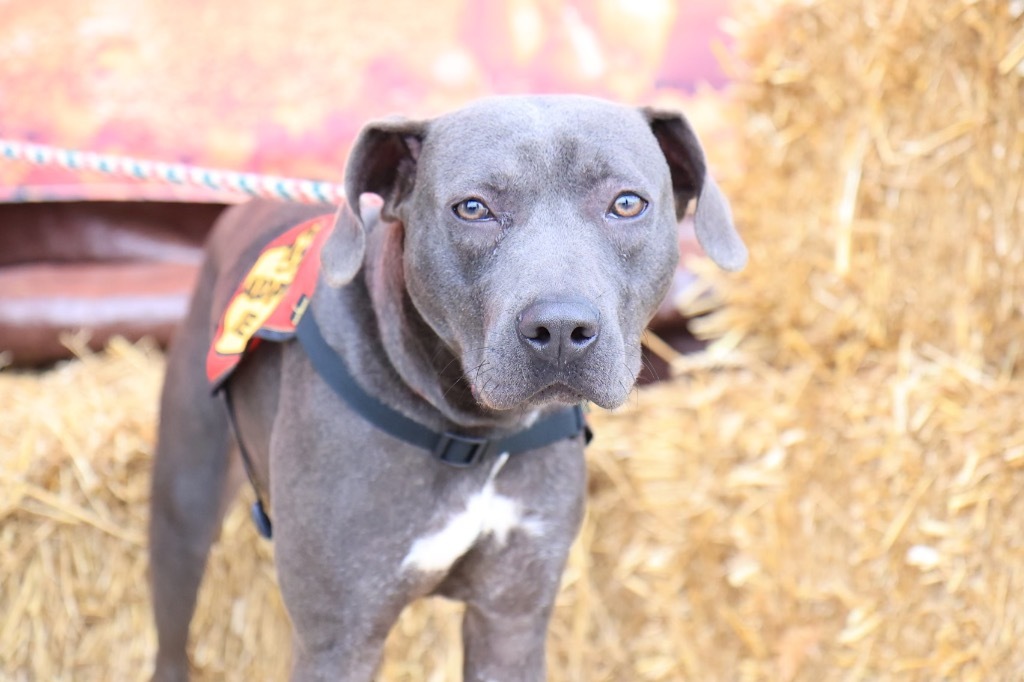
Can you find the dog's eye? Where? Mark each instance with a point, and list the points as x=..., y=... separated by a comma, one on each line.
x=627, y=205
x=472, y=210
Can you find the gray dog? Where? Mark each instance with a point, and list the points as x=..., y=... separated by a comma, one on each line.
x=521, y=247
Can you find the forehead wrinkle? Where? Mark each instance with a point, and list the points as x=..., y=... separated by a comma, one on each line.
x=500, y=182
x=495, y=183
x=592, y=172
x=585, y=165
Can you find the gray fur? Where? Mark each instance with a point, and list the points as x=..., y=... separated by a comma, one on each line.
x=432, y=324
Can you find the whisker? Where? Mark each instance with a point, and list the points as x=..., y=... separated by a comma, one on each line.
x=455, y=359
x=464, y=377
x=646, y=362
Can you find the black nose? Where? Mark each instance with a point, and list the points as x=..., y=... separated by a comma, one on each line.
x=560, y=331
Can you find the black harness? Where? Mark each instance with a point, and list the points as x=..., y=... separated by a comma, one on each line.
x=451, y=448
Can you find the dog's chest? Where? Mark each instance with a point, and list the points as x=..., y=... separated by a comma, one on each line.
x=485, y=515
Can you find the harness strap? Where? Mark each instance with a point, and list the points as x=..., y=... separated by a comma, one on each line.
x=258, y=511
x=451, y=448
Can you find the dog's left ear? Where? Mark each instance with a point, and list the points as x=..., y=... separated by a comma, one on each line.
x=382, y=161
x=690, y=179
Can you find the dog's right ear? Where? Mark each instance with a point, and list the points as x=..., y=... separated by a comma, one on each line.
x=383, y=161
x=342, y=253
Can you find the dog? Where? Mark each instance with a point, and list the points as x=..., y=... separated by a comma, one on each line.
x=506, y=274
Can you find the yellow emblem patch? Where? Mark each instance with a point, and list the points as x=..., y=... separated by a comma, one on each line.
x=272, y=297
x=263, y=289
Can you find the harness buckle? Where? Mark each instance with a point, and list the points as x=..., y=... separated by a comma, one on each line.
x=262, y=521
x=461, y=451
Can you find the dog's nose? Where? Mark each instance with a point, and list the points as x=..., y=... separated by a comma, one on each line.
x=560, y=331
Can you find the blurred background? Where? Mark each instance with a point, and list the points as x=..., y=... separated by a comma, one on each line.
x=829, y=487
x=276, y=89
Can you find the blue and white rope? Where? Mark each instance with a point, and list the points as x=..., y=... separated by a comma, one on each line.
x=265, y=186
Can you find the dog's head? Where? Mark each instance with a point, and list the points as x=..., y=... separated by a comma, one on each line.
x=538, y=236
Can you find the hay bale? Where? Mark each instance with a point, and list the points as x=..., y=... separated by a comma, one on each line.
x=882, y=184
x=831, y=492
x=73, y=463
x=753, y=523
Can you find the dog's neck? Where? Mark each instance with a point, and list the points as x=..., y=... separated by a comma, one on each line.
x=398, y=357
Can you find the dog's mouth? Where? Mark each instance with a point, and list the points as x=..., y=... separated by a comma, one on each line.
x=557, y=392
x=521, y=386
x=554, y=393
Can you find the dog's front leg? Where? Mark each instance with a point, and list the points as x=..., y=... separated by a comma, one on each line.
x=504, y=646
x=509, y=584
x=342, y=601
x=338, y=567
x=509, y=598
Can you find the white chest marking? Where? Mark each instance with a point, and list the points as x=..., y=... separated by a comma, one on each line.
x=486, y=513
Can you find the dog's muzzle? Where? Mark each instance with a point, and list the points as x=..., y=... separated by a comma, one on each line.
x=555, y=350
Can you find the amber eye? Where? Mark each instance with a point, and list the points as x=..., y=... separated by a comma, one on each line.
x=627, y=205
x=473, y=210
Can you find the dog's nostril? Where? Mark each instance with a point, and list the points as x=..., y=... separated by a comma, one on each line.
x=542, y=335
x=582, y=334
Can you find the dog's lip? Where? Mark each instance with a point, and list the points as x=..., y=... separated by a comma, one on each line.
x=553, y=392
x=556, y=391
